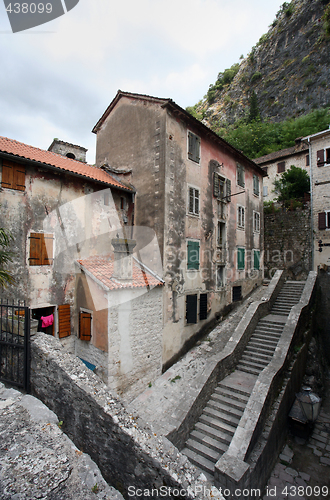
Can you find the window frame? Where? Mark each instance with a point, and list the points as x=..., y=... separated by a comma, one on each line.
x=281, y=167
x=256, y=217
x=223, y=277
x=324, y=159
x=324, y=220
x=13, y=178
x=193, y=147
x=241, y=217
x=191, y=264
x=256, y=185
x=42, y=250
x=239, y=250
x=256, y=252
x=240, y=175
x=195, y=198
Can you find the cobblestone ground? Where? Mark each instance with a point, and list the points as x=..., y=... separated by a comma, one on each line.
x=303, y=468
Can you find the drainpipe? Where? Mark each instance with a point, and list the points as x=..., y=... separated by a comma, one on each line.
x=311, y=181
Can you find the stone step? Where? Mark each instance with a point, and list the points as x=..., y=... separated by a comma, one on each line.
x=220, y=435
x=225, y=423
x=200, y=462
x=203, y=450
x=259, y=350
x=265, y=347
x=270, y=337
x=223, y=407
x=266, y=329
x=263, y=341
x=245, y=369
x=231, y=403
x=258, y=365
x=210, y=442
x=250, y=355
x=238, y=390
x=231, y=394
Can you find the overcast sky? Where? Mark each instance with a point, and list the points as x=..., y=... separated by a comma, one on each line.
x=58, y=78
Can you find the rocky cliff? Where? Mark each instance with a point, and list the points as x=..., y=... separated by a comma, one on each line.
x=288, y=70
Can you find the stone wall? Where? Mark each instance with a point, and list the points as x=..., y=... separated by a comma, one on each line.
x=131, y=457
x=288, y=243
x=323, y=311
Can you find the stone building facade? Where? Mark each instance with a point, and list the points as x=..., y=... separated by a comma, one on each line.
x=202, y=197
x=278, y=162
x=319, y=153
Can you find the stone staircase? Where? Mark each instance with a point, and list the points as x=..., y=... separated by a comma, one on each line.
x=217, y=424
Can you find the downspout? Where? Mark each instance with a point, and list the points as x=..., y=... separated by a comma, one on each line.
x=311, y=184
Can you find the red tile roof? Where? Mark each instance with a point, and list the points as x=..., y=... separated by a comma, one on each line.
x=19, y=149
x=101, y=267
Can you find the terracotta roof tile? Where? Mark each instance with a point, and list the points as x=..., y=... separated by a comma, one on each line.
x=22, y=150
x=101, y=267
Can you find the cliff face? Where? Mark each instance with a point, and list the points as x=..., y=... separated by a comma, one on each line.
x=288, y=69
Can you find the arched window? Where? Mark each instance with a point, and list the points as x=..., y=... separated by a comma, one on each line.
x=71, y=155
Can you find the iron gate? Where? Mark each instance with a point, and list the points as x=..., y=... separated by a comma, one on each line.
x=15, y=344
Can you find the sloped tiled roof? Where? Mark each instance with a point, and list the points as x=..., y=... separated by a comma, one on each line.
x=101, y=267
x=282, y=153
x=48, y=158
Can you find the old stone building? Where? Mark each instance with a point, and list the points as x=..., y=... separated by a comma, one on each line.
x=202, y=197
x=319, y=153
x=274, y=164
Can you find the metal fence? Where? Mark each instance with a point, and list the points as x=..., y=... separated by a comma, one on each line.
x=15, y=344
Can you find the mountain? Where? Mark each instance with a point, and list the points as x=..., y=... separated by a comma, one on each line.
x=286, y=75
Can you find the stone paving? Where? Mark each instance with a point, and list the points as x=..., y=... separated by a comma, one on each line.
x=37, y=460
x=303, y=469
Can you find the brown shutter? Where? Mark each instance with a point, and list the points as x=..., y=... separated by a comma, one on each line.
x=19, y=178
x=7, y=176
x=64, y=323
x=320, y=158
x=228, y=189
x=322, y=221
x=281, y=167
x=85, y=321
x=216, y=185
x=46, y=249
x=35, y=249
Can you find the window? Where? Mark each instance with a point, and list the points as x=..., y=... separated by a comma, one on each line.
x=323, y=157
x=307, y=160
x=194, y=146
x=221, y=187
x=221, y=211
x=220, y=276
x=203, y=306
x=241, y=217
x=41, y=249
x=324, y=220
x=13, y=175
x=241, y=258
x=221, y=236
x=256, y=222
x=85, y=325
x=64, y=322
x=265, y=169
x=191, y=308
x=240, y=175
x=237, y=293
x=255, y=185
x=281, y=167
x=256, y=259
x=265, y=190
x=193, y=255
x=193, y=202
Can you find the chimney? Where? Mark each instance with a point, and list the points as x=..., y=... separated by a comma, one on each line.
x=123, y=262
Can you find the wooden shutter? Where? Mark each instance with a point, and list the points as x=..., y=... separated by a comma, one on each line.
x=320, y=158
x=85, y=326
x=47, y=249
x=281, y=167
x=307, y=160
x=322, y=221
x=203, y=306
x=256, y=258
x=7, y=176
x=193, y=147
x=191, y=308
x=19, y=178
x=241, y=258
x=216, y=184
x=228, y=189
x=35, y=249
x=193, y=254
x=64, y=322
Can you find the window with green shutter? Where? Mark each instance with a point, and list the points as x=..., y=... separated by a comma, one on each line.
x=241, y=258
x=256, y=259
x=255, y=185
x=193, y=255
x=194, y=146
